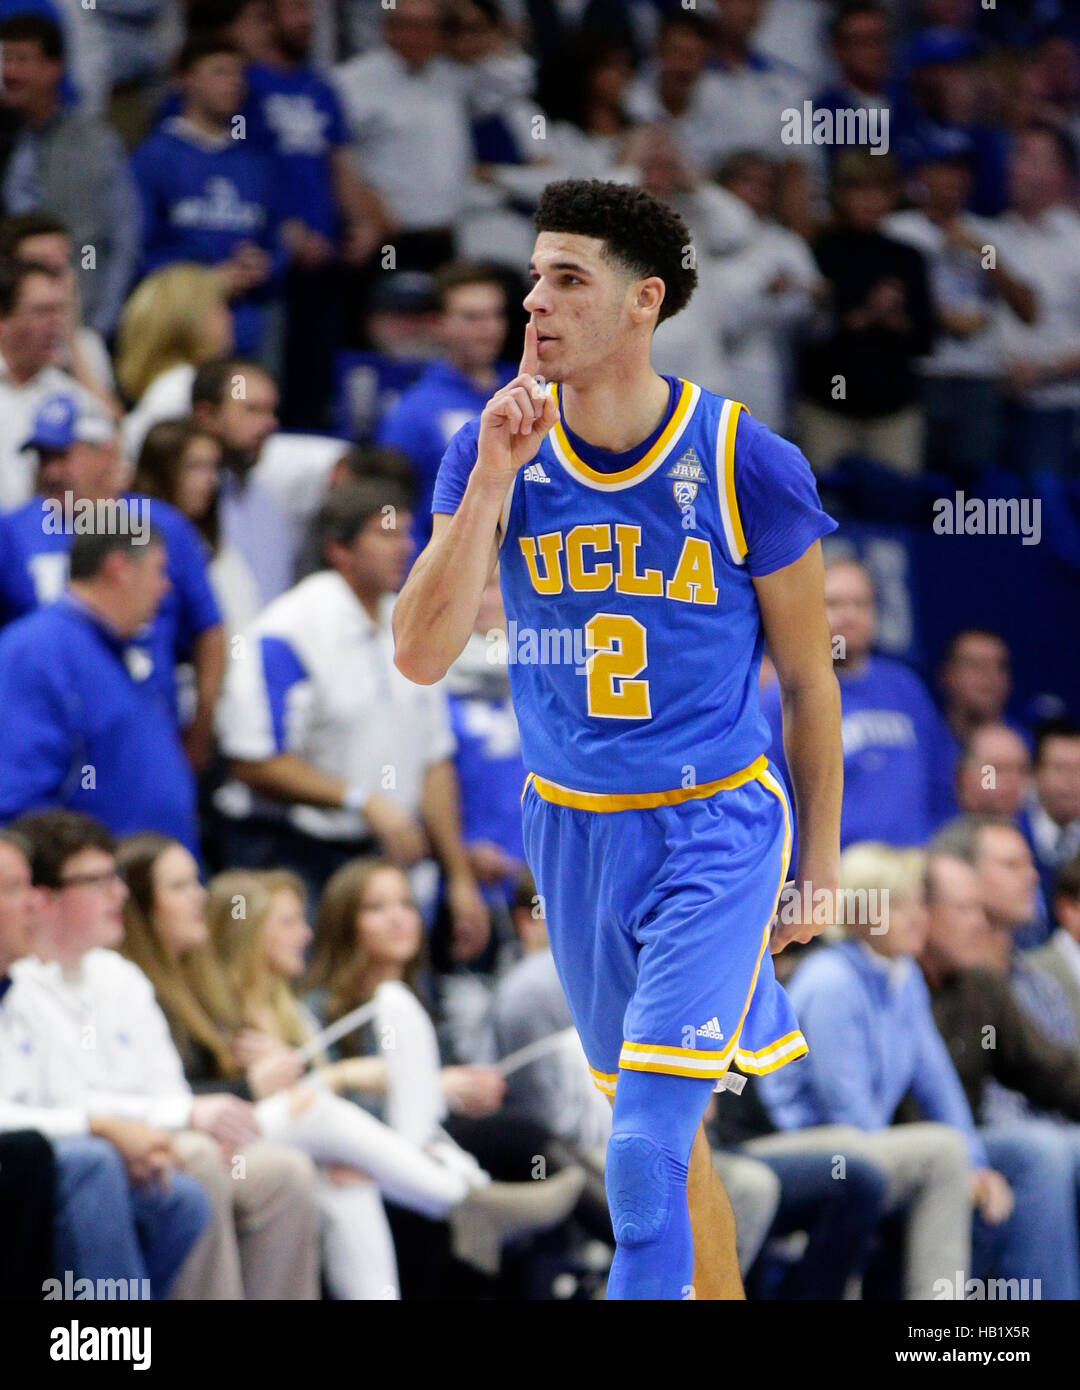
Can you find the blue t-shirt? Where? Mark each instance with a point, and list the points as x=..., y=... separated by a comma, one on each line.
x=634, y=633
x=425, y=420
x=296, y=116
x=34, y=567
x=200, y=200
x=894, y=743
x=490, y=772
x=81, y=730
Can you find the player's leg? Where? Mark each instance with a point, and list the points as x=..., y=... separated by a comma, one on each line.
x=712, y=1221
x=654, y=1123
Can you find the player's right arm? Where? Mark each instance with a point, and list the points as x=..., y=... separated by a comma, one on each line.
x=436, y=610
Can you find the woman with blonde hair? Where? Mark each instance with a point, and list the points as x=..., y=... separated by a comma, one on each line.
x=174, y=321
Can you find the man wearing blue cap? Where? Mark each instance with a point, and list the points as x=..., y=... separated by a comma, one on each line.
x=79, y=467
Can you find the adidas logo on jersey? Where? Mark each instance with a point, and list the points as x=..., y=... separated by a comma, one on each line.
x=711, y=1030
x=535, y=474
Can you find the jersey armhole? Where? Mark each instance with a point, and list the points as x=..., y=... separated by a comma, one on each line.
x=504, y=514
x=734, y=536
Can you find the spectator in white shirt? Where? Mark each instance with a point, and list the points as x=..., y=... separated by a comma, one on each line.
x=408, y=117
x=340, y=749
x=107, y=1049
x=770, y=287
x=111, y=1219
x=961, y=377
x=1040, y=238
x=33, y=312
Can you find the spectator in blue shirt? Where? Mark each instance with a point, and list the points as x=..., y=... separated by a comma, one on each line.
x=78, y=464
x=864, y=1008
x=330, y=215
x=471, y=328
x=208, y=194
x=898, y=754
x=84, y=727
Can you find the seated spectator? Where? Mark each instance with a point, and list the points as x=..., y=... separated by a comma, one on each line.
x=179, y=464
x=79, y=465
x=235, y=401
x=33, y=308
x=993, y=775
x=975, y=680
x=471, y=329
x=1060, y=956
x=208, y=197
x=71, y=164
x=1009, y=892
x=961, y=377
x=1051, y=819
x=409, y=125
x=174, y=321
x=353, y=464
x=857, y=375
x=897, y=759
x=335, y=748
x=44, y=239
x=1040, y=233
x=84, y=726
x=865, y=1011
x=261, y=1237
x=97, y=1200
x=973, y=1007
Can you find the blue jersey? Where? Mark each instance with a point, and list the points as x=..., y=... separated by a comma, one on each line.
x=34, y=570
x=895, y=745
x=633, y=626
x=84, y=729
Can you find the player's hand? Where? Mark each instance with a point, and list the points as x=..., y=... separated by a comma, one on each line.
x=806, y=907
x=991, y=1195
x=516, y=419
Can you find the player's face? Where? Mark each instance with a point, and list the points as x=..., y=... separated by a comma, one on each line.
x=579, y=302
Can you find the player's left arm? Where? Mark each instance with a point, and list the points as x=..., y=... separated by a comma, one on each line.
x=792, y=603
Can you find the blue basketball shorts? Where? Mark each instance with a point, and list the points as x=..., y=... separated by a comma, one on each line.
x=659, y=909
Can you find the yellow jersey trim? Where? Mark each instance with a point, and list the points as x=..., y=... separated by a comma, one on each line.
x=574, y=463
x=728, y=428
x=640, y=801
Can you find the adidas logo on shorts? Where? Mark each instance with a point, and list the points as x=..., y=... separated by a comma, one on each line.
x=711, y=1030
x=535, y=474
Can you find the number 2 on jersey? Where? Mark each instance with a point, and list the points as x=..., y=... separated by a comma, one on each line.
x=619, y=653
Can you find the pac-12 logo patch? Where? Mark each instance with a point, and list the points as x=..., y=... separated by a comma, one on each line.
x=687, y=475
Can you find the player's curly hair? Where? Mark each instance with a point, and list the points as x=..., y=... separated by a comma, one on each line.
x=637, y=229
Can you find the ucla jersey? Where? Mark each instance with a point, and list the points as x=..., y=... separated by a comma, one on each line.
x=634, y=636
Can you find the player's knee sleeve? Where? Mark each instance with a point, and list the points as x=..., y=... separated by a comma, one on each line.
x=641, y=1177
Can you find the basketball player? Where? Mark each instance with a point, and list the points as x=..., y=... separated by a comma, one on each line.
x=649, y=536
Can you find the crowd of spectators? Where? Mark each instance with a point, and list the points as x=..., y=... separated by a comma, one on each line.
x=259, y=261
